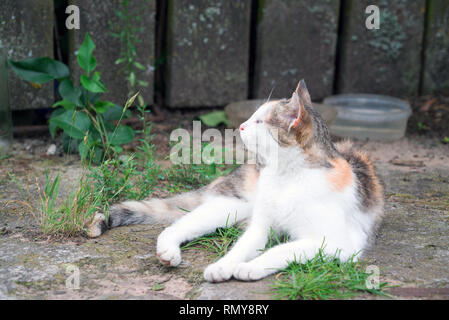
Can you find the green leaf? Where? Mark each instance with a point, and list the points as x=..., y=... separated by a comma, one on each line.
x=102, y=106
x=215, y=118
x=120, y=14
x=94, y=84
x=120, y=60
x=142, y=83
x=123, y=134
x=132, y=79
x=69, y=93
x=74, y=123
x=96, y=79
x=158, y=287
x=68, y=105
x=139, y=65
x=52, y=126
x=87, y=96
x=110, y=127
x=115, y=113
x=85, y=58
x=117, y=149
x=39, y=70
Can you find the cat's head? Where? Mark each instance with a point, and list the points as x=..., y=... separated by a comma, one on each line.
x=287, y=123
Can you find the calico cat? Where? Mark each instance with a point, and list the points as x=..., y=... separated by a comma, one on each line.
x=312, y=190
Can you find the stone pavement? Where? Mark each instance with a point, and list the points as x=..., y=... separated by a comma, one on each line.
x=411, y=251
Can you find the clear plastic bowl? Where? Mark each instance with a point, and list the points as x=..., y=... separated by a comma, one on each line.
x=369, y=116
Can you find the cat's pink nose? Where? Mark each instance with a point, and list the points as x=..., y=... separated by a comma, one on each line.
x=242, y=127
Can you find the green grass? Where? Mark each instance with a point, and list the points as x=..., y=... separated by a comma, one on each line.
x=217, y=243
x=187, y=177
x=120, y=177
x=275, y=239
x=131, y=177
x=323, y=277
x=126, y=178
x=115, y=178
x=69, y=217
x=98, y=187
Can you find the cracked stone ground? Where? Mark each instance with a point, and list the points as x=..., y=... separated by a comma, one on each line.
x=411, y=251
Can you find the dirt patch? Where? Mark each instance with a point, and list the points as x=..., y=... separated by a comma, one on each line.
x=126, y=285
x=402, y=154
x=430, y=117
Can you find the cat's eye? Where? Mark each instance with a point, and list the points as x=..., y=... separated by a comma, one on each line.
x=259, y=121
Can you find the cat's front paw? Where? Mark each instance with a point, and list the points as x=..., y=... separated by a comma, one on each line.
x=219, y=271
x=170, y=256
x=250, y=271
x=168, y=251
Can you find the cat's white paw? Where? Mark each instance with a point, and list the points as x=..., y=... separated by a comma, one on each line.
x=219, y=271
x=250, y=271
x=168, y=250
x=169, y=255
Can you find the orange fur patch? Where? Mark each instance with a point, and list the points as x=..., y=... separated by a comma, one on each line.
x=340, y=176
x=251, y=178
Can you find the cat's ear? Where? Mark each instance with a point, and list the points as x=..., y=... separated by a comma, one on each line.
x=303, y=93
x=298, y=110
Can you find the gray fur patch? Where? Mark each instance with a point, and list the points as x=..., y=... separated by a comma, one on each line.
x=120, y=215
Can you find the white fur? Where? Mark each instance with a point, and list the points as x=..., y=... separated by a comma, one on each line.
x=291, y=198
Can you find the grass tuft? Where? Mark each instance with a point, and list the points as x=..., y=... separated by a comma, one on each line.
x=70, y=217
x=217, y=243
x=324, y=277
x=187, y=177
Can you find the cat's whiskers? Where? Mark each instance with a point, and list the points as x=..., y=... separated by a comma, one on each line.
x=271, y=92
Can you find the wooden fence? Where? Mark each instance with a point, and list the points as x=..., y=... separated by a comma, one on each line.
x=207, y=53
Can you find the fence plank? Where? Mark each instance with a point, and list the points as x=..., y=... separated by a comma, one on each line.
x=208, y=48
x=295, y=40
x=5, y=110
x=383, y=61
x=436, y=68
x=26, y=31
x=96, y=19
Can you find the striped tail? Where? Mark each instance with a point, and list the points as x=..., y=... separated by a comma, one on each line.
x=145, y=212
x=239, y=184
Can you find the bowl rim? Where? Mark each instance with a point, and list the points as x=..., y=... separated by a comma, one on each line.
x=402, y=108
